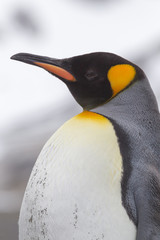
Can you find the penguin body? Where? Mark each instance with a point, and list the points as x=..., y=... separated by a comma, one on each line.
x=74, y=161
x=98, y=177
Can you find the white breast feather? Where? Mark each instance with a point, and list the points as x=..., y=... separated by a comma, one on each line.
x=74, y=191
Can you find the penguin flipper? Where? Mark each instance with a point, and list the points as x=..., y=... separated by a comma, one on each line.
x=148, y=208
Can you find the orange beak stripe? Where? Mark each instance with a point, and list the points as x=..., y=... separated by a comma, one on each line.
x=57, y=71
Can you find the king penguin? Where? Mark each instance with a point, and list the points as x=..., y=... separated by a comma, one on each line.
x=98, y=176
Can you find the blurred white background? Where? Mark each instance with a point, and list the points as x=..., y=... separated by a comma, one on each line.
x=33, y=104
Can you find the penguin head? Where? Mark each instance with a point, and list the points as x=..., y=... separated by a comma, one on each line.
x=93, y=79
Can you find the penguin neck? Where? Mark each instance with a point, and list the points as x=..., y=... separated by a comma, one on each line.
x=136, y=105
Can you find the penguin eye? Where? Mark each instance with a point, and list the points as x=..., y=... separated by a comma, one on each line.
x=91, y=75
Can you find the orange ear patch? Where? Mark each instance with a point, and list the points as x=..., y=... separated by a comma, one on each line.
x=57, y=71
x=120, y=76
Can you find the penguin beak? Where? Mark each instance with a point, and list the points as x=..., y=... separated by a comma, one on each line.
x=52, y=65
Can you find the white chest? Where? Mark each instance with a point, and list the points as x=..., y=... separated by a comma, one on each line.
x=74, y=191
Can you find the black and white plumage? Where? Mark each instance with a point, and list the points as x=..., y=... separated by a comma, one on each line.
x=98, y=177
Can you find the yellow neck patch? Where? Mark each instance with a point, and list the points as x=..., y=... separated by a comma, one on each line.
x=87, y=115
x=120, y=76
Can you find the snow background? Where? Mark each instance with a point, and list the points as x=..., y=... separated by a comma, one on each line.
x=33, y=104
